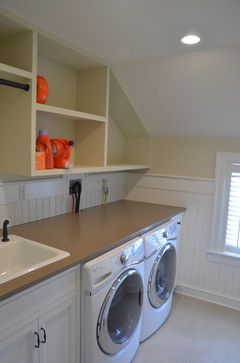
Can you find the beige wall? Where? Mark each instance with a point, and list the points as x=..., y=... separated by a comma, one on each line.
x=189, y=156
x=187, y=94
x=122, y=112
x=116, y=144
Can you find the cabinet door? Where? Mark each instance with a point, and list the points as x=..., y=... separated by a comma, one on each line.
x=57, y=329
x=19, y=346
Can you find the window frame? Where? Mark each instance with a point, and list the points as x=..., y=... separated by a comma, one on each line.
x=233, y=167
x=224, y=162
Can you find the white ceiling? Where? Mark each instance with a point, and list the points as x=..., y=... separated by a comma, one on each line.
x=193, y=94
x=173, y=92
x=119, y=30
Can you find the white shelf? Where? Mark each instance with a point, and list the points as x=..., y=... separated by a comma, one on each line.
x=48, y=172
x=89, y=170
x=126, y=167
x=105, y=169
x=15, y=71
x=72, y=114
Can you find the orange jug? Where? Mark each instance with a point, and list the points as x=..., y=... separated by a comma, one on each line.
x=44, y=144
x=42, y=90
x=62, y=153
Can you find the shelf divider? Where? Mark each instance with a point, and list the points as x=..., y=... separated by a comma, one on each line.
x=64, y=112
x=15, y=71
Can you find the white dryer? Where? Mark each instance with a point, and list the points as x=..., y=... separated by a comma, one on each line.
x=111, y=304
x=160, y=246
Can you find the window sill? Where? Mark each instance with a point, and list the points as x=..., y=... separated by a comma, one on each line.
x=226, y=258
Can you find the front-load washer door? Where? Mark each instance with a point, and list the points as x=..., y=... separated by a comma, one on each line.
x=120, y=313
x=162, y=276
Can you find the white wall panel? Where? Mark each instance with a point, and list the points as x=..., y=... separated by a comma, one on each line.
x=197, y=275
x=49, y=198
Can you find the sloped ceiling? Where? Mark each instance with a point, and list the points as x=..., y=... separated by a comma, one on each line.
x=119, y=30
x=175, y=91
x=194, y=94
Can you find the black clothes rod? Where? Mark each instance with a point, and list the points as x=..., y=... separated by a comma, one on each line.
x=13, y=84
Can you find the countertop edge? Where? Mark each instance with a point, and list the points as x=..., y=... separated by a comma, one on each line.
x=72, y=264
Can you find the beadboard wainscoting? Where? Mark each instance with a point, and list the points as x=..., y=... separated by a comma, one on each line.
x=197, y=275
x=50, y=197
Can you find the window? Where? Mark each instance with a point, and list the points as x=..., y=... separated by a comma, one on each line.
x=232, y=224
x=232, y=235
x=226, y=226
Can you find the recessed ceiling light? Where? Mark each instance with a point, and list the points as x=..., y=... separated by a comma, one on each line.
x=190, y=39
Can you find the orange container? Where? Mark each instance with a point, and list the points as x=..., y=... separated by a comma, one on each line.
x=62, y=153
x=40, y=160
x=42, y=90
x=44, y=144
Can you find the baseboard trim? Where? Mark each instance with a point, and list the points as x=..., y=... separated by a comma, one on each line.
x=209, y=296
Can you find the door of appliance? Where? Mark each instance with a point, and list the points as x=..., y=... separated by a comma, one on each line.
x=162, y=276
x=120, y=313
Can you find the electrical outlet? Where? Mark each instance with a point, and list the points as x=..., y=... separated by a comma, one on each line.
x=72, y=182
x=22, y=192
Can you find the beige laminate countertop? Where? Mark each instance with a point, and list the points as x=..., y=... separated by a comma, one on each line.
x=87, y=234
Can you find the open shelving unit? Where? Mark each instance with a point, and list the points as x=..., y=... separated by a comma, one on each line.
x=77, y=107
x=68, y=113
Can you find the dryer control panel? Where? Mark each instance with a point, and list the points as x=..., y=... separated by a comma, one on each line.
x=101, y=270
x=158, y=237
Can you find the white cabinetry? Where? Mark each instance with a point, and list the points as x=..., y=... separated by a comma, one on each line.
x=41, y=325
x=18, y=347
x=77, y=107
x=57, y=330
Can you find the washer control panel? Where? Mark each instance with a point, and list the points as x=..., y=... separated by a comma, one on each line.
x=165, y=234
x=102, y=269
x=124, y=258
x=132, y=254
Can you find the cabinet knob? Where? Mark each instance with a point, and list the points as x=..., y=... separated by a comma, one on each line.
x=37, y=345
x=179, y=223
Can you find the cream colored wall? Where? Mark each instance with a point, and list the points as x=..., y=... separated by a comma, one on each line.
x=122, y=112
x=20, y=44
x=116, y=144
x=92, y=90
x=62, y=83
x=189, y=156
x=137, y=150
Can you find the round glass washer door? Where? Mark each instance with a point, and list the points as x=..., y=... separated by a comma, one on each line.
x=162, y=276
x=120, y=313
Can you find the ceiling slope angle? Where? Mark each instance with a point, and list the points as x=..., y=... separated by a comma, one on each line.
x=126, y=30
x=190, y=94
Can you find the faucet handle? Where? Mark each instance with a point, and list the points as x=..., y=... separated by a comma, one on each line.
x=5, y=231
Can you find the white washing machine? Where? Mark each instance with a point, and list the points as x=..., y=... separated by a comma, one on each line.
x=111, y=304
x=160, y=245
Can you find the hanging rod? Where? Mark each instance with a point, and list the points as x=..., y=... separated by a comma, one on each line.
x=13, y=84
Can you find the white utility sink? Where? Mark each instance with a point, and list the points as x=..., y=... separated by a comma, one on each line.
x=19, y=256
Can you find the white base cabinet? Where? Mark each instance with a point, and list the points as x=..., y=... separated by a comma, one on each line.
x=18, y=347
x=58, y=331
x=49, y=331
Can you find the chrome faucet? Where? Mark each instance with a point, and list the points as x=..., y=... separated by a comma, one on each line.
x=5, y=231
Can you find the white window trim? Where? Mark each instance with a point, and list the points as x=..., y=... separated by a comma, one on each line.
x=218, y=253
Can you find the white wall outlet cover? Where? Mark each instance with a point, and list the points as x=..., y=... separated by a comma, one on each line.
x=22, y=192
